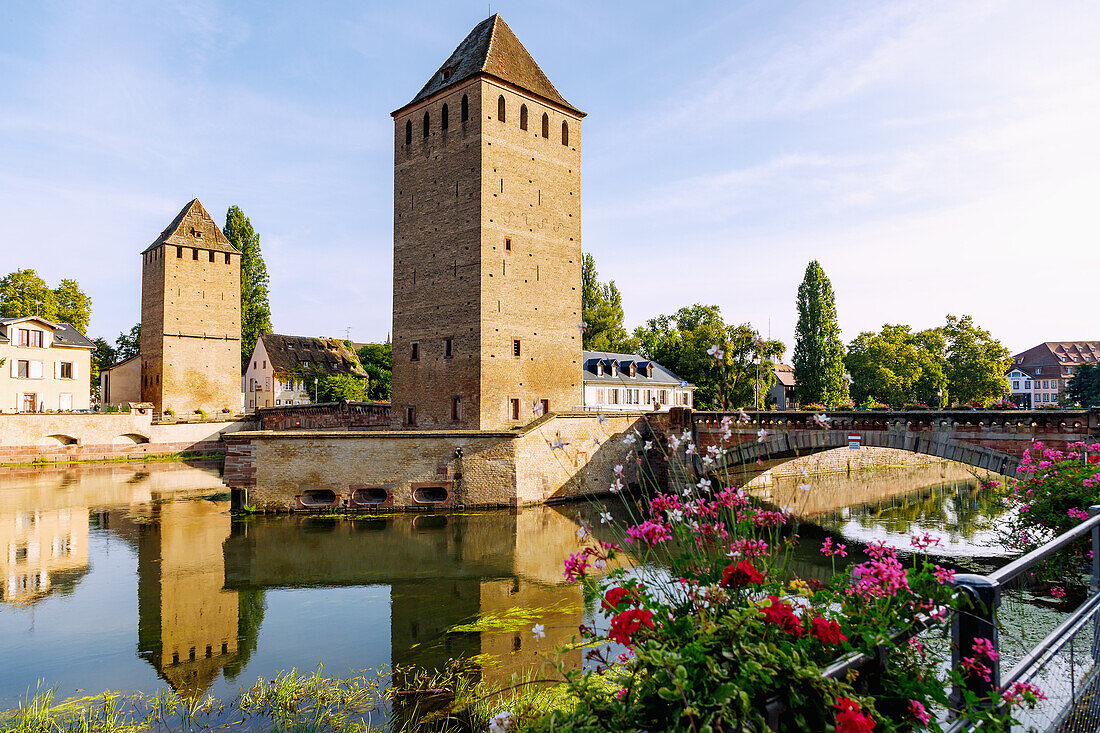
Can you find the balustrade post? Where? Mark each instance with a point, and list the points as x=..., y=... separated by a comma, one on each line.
x=976, y=621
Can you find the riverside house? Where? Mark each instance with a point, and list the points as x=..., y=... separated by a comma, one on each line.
x=283, y=369
x=45, y=366
x=629, y=382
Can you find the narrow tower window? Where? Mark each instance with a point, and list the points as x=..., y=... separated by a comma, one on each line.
x=564, y=131
x=545, y=125
x=408, y=132
x=427, y=123
x=465, y=108
x=517, y=349
x=500, y=109
x=523, y=117
x=443, y=118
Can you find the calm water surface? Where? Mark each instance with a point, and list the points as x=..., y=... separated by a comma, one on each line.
x=123, y=577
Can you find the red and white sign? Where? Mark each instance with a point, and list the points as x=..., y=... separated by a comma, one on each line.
x=854, y=440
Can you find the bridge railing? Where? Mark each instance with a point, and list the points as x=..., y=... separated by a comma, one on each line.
x=1067, y=661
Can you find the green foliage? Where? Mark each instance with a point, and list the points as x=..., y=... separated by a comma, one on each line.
x=377, y=361
x=73, y=305
x=602, y=312
x=898, y=366
x=976, y=363
x=255, y=283
x=103, y=356
x=128, y=344
x=818, y=353
x=24, y=293
x=1084, y=388
x=336, y=387
x=680, y=342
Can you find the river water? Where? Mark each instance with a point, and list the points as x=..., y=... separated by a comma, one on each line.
x=133, y=577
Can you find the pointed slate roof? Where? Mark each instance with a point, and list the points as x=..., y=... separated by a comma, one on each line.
x=493, y=49
x=193, y=227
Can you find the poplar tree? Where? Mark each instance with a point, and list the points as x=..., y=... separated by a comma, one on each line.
x=818, y=352
x=255, y=283
x=602, y=312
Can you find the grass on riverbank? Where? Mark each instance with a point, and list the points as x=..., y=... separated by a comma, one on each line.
x=149, y=458
x=452, y=700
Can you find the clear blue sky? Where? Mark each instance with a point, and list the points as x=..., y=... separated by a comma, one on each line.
x=936, y=157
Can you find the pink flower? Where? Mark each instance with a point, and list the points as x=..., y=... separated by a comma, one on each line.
x=649, y=532
x=749, y=548
x=917, y=710
x=1075, y=513
x=1058, y=592
x=976, y=668
x=923, y=543
x=621, y=694
x=984, y=648
x=575, y=566
x=883, y=576
x=943, y=575
x=1020, y=692
x=828, y=550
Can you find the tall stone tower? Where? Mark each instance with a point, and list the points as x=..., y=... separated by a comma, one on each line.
x=487, y=242
x=191, y=317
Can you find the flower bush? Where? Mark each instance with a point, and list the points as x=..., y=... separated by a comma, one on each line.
x=707, y=627
x=1051, y=495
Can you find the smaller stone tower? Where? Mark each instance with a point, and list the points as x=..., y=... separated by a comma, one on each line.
x=191, y=317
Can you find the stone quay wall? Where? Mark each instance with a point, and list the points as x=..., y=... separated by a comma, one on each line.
x=96, y=437
x=555, y=458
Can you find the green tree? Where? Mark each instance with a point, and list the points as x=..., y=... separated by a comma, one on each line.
x=103, y=356
x=255, y=283
x=1084, y=388
x=818, y=352
x=73, y=305
x=602, y=312
x=897, y=366
x=377, y=361
x=128, y=344
x=682, y=342
x=24, y=293
x=336, y=387
x=976, y=363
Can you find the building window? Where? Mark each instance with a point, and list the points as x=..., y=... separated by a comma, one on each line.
x=456, y=409
x=614, y=368
x=66, y=370
x=523, y=117
x=410, y=415
x=633, y=369
x=195, y=253
x=517, y=350
x=1015, y=385
x=564, y=133
x=507, y=244
x=515, y=400
x=30, y=337
x=22, y=369
x=1027, y=384
x=545, y=406
x=30, y=402
x=179, y=252
x=408, y=132
x=211, y=255
x=415, y=351
x=448, y=348
x=545, y=125
x=613, y=395
x=664, y=396
x=465, y=108
x=687, y=399
x=443, y=118
x=601, y=395
x=427, y=124
x=500, y=109
x=1046, y=384
x=227, y=258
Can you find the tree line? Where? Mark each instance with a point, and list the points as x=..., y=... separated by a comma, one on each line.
x=732, y=365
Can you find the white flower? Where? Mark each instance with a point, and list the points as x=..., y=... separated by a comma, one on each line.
x=649, y=445
x=742, y=416
x=786, y=510
x=821, y=420
x=599, y=563
x=685, y=436
x=805, y=487
x=716, y=352
x=539, y=631
x=581, y=533
x=704, y=484
x=673, y=443
x=619, y=470
x=500, y=722
x=690, y=449
x=802, y=470
x=558, y=444
x=676, y=515
x=601, y=418
x=605, y=517
x=708, y=461
x=629, y=440
x=761, y=436
x=617, y=486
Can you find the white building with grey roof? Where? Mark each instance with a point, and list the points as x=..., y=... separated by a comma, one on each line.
x=632, y=383
x=46, y=366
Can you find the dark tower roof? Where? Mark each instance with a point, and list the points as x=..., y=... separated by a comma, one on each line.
x=493, y=49
x=193, y=227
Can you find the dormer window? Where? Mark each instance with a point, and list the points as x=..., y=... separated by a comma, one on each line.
x=599, y=369
x=445, y=74
x=633, y=370
x=614, y=368
x=649, y=370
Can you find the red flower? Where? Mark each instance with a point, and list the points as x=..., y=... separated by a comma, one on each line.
x=743, y=573
x=850, y=719
x=613, y=598
x=782, y=615
x=827, y=632
x=1094, y=459
x=627, y=623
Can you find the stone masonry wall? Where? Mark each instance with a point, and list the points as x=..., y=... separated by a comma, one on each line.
x=326, y=415
x=89, y=437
